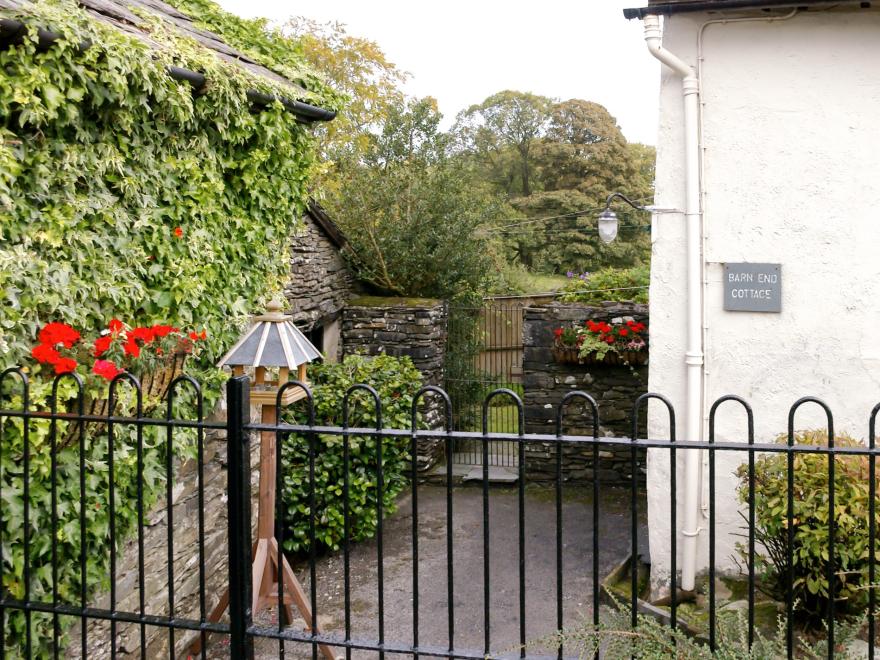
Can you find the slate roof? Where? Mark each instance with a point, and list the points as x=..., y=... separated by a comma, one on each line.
x=118, y=14
x=680, y=6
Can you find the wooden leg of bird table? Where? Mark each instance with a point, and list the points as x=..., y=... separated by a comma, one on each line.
x=294, y=588
x=196, y=647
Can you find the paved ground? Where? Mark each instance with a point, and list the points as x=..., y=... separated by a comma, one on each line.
x=468, y=569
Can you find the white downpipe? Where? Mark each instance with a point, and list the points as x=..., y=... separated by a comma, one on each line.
x=694, y=350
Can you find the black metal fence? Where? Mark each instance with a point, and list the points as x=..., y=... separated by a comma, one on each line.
x=468, y=622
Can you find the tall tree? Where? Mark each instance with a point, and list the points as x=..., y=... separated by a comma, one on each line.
x=582, y=158
x=502, y=132
x=358, y=69
x=412, y=212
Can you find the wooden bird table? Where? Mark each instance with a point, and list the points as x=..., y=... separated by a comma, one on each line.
x=269, y=563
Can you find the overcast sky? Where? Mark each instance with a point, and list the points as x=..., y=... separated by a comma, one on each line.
x=461, y=52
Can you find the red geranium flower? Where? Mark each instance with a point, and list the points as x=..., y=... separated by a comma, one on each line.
x=196, y=336
x=623, y=332
x=162, y=330
x=45, y=354
x=132, y=348
x=178, y=232
x=115, y=326
x=557, y=332
x=145, y=335
x=106, y=369
x=65, y=365
x=58, y=333
x=102, y=344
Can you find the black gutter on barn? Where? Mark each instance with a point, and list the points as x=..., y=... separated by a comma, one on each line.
x=12, y=32
x=667, y=8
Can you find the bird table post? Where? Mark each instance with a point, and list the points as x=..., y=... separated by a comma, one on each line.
x=272, y=342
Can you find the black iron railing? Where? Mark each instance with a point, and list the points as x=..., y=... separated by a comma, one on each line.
x=458, y=619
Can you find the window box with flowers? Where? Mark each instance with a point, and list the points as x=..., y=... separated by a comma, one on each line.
x=621, y=342
x=154, y=354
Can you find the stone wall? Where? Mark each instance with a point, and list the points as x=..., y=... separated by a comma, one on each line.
x=320, y=282
x=412, y=327
x=186, y=560
x=546, y=382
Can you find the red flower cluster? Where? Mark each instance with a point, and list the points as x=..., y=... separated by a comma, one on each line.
x=53, y=334
x=636, y=327
x=106, y=369
x=51, y=338
x=610, y=333
x=57, y=337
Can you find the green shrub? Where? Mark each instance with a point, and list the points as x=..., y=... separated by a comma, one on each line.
x=396, y=380
x=615, y=284
x=811, y=547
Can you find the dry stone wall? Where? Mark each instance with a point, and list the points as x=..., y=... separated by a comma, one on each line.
x=185, y=501
x=546, y=382
x=320, y=282
x=411, y=327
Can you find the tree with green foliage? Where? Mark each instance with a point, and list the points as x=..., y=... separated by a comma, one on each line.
x=582, y=158
x=359, y=70
x=501, y=133
x=412, y=212
x=558, y=162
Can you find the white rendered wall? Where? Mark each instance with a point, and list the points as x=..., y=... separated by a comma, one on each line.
x=792, y=176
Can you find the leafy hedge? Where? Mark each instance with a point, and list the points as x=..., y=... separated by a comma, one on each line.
x=396, y=380
x=123, y=195
x=615, y=284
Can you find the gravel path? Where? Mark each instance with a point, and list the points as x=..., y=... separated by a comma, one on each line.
x=540, y=563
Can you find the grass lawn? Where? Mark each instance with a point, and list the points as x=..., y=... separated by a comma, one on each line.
x=542, y=282
x=503, y=419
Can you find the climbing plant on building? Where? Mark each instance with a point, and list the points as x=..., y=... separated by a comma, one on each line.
x=124, y=193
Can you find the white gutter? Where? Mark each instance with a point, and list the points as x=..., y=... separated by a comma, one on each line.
x=694, y=350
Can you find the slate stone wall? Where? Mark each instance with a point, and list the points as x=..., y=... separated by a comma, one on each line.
x=185, y=498
x=320, y=283
x=546, y=382
x=412, y=327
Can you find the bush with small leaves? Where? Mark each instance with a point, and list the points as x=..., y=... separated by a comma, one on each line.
x=810, y=551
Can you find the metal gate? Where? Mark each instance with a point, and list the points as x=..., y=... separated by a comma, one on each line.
x=484, y=353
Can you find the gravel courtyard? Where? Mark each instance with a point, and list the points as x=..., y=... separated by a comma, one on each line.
x=540, y=565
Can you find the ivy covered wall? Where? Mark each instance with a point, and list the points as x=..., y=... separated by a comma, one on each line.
x=124, y=195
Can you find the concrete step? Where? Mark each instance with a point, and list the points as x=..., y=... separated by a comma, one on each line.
x=496, y=474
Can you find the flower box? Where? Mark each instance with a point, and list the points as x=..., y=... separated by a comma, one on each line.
x=625, y=358
x=619, y=343
x=154, y=390
x=566, y=354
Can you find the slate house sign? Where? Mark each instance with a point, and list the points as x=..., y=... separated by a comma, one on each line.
x=752, y=287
